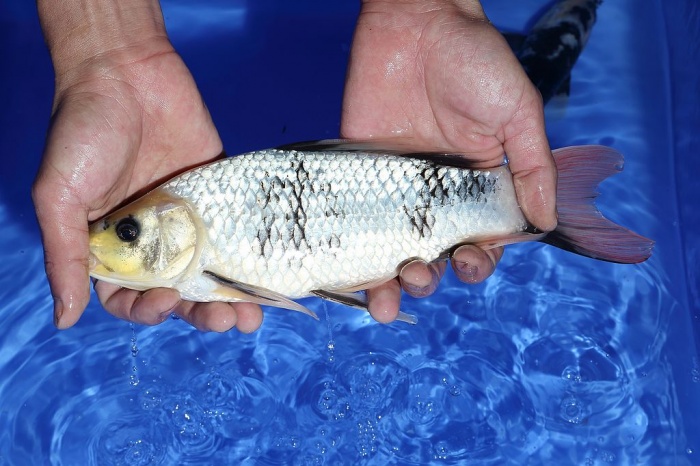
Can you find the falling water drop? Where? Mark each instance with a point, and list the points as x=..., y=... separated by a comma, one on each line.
x=134, y=376
x=331, y=343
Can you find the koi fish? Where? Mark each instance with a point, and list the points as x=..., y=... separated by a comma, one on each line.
x=550, y=49
x=335, y=217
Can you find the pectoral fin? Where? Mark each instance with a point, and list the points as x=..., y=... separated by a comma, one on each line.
x=358, y=301
x=255, y=294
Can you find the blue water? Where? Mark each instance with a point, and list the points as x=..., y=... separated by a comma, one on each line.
x=557, y=359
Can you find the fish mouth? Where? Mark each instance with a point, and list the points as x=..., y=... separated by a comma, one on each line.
x=101, y=272
x=93, y=262
x=96, y=267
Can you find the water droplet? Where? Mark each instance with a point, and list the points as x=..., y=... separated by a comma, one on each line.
x=331, y=350
x=689, y=451
x=607, y=456
x=134, y=376
x=150, y=399
x=572, y=374
x=441, y=451
x=571, y=410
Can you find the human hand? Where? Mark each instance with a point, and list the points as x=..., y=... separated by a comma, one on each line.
x=127, y=115
x=438, y=73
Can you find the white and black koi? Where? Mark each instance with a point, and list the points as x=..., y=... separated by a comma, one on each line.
x=335, y=217
x=550, y=50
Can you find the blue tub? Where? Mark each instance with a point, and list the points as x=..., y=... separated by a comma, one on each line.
x=557, y=359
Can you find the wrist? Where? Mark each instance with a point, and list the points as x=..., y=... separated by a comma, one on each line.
x=470, y=8
x=79, y=32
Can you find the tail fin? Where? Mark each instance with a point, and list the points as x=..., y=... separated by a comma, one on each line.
x=582, y=228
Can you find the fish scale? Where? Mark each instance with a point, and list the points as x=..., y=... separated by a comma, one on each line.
x=333, y=220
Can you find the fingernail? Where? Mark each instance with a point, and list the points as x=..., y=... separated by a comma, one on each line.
x=57, y=312
x=174, y=307
x=417, y=291
x=466, y=271
x=166, y=314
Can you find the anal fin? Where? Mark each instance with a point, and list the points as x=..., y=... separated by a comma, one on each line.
x=518, y=237
x=358, y=301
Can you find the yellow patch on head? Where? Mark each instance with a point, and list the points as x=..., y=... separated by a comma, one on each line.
x=145, y=244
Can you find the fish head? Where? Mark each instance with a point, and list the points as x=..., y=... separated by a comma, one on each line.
x=146, y=244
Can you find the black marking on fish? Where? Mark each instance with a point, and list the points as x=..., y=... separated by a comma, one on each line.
x=334, y=241
x=298, y=228
x=587, y=15
x=419, y=215
x=479, y=186
x=290, y=191
x=551, y=51
x=263, y=236
x=438, y=189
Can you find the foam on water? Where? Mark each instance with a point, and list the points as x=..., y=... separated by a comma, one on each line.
x=556, y=359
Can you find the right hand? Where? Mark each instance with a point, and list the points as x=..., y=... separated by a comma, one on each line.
x=123, y=121
x=438, y=73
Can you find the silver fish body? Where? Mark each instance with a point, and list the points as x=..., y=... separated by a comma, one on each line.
x=335, y=217
x=294, y=222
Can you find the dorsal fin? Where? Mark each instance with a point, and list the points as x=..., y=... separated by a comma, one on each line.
x=404, y=147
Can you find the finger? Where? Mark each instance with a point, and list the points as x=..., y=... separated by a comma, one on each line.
x=383, y=301
x=207, y=317
x=530, y=159
x=420, y=279
x=221, y=317
x=64, y=233
x=143, y=307
x=250, y=317
x=473, y=264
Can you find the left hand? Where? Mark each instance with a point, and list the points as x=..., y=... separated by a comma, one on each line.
x=127, y=115
x=438, y=73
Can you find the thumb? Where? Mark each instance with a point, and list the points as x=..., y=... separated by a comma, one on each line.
x=534, y=172
x=64, y=231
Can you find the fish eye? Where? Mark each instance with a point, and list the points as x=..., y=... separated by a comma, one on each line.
x=128, y=229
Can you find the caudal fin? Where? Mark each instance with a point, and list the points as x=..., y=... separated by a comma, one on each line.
x=582, y=228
